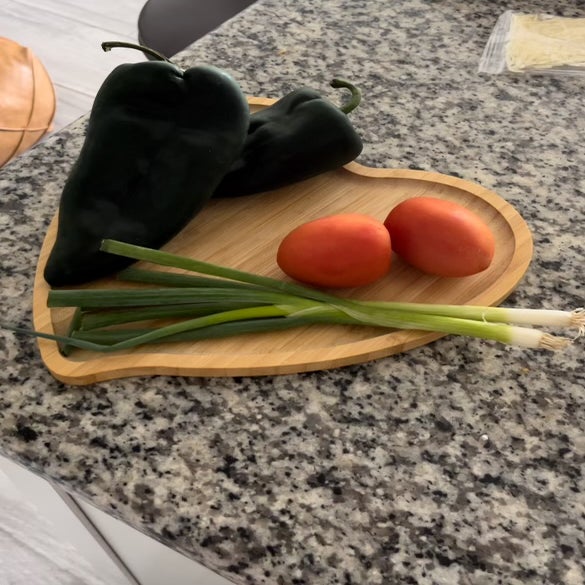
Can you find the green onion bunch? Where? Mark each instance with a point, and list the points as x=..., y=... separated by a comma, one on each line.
x=218, y=301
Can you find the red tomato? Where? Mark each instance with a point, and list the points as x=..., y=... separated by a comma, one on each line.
x=440, y=237
x=337, y=251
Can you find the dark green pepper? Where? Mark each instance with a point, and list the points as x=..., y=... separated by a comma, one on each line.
x=159, y=140
x=300, y=136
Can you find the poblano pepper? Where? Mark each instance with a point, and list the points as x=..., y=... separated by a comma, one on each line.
x=158, y=142
x=300, y=136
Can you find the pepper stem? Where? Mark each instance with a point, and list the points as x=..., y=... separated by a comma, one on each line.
x=356, y=94
x=109, y=45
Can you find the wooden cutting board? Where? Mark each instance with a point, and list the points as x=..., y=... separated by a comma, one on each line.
x=244, y=233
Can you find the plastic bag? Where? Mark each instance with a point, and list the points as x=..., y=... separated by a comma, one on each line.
x=536, y=44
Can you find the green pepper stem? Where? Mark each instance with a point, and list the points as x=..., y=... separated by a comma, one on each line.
x=109, y=45
x=356, y=94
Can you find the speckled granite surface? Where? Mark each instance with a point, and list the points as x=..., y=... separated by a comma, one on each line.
x=460, y=462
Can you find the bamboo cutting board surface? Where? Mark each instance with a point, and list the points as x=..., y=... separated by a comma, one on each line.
x=244, y=233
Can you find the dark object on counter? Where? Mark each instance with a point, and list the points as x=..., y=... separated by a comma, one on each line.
x=300, y=136
x=171, y=25
x=158, y=142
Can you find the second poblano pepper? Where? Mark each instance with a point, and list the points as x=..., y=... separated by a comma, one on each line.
x=300, y=136
x=158, y=142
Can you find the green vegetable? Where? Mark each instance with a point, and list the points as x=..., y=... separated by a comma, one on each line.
x=159, y=141
x=300, y=136
x=211, y=307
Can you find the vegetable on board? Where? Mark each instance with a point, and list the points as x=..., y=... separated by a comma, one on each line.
x=300, y=136
x=337, y=251
x=230, y=302
x=440, y=237
x=158, y=142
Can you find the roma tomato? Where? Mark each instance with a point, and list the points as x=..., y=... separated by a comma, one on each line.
x=440, y=237
x=337, y=251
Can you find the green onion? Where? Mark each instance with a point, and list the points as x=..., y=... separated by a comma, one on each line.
x=198, y=322
x=173, y=260
x=96, y=298
x=231, y=302
x=542, y=317
x=174, y=279
x=111, y=336
x=502, y=332
x=239, y=321
x=96, y=319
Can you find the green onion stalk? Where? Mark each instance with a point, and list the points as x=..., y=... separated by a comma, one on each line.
x=224, y=302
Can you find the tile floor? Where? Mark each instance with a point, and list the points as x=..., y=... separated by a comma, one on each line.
x=29, y=552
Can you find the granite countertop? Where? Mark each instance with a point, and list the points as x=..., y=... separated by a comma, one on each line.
x=459, y=462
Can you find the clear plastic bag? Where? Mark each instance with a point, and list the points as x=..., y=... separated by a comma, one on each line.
x=536, y=44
